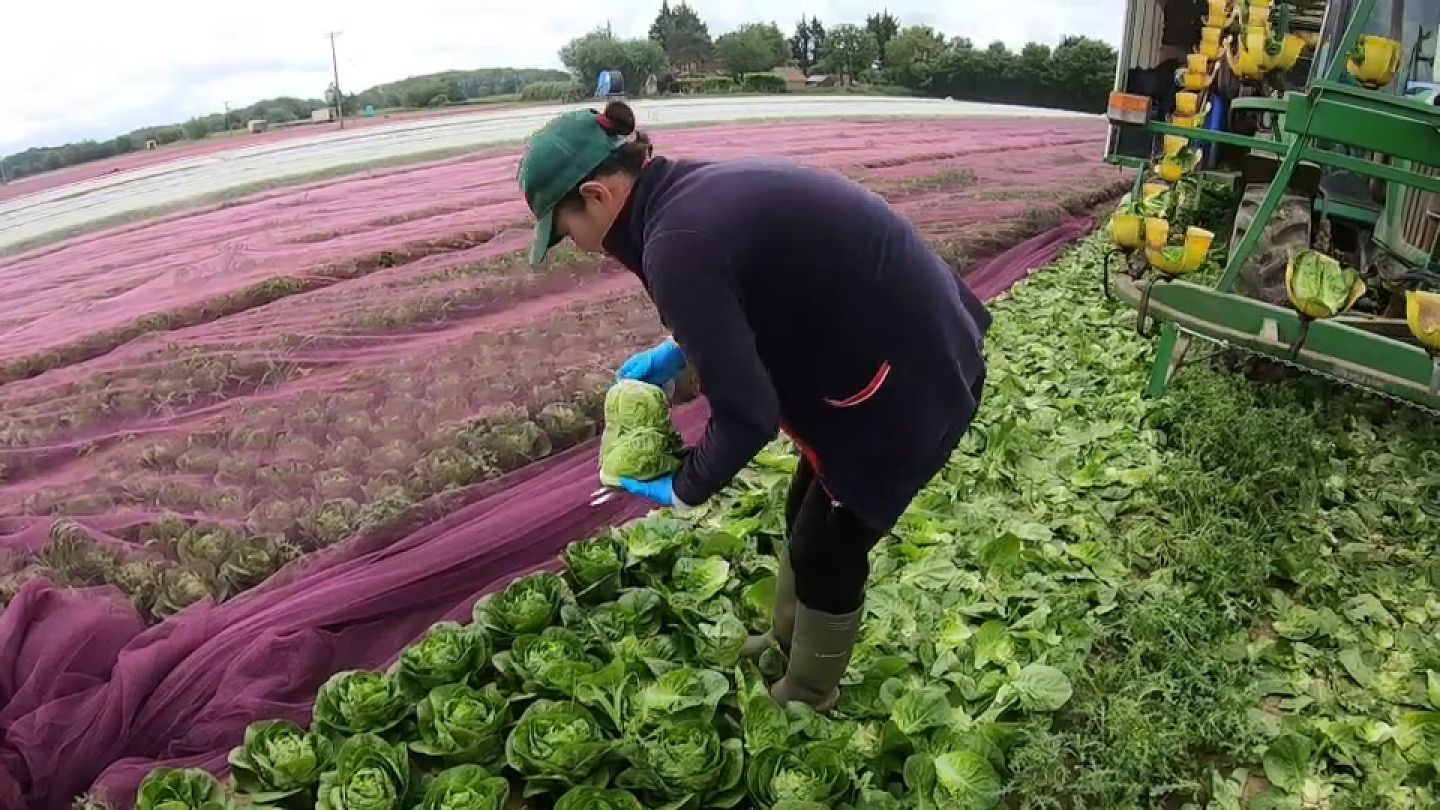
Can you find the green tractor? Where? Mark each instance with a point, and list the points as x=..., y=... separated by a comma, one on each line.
x=1322, y=120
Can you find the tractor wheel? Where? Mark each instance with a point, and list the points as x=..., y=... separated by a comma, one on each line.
x=1287, y=233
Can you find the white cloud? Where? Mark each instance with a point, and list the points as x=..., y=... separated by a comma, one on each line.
x=110, y=67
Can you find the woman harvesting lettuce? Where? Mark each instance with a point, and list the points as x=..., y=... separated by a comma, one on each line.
x=804, y=303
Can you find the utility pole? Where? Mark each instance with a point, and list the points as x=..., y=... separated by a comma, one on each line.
x=335, y=64
x=227, y=115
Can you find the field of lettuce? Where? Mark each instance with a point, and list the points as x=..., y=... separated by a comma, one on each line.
x=1226, y=599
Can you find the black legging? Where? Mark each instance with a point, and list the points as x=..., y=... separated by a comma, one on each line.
x=829, y=546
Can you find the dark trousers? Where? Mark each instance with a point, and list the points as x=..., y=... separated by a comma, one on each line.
x=829, y=546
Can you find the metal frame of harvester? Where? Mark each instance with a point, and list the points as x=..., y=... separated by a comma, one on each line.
x=1331, y=125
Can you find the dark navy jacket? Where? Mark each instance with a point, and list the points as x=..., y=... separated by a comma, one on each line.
x=803, y=301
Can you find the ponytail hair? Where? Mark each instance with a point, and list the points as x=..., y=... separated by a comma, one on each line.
x=618, y=120
x=629, y=158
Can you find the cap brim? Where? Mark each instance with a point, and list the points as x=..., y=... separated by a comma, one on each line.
x=544, y=238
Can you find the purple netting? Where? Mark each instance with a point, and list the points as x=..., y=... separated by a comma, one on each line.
x=314, y=350
x=996, y=275
x=320, y=229
x=93, y=701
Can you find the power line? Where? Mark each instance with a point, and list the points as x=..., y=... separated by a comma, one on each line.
x=335, y=65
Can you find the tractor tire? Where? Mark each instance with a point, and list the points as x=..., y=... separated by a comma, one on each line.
x=1287, y=233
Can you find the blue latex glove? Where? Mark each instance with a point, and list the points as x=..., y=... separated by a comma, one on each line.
x=656, y=366
x=661, y=490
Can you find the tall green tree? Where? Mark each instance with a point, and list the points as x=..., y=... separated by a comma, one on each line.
x=1035, y=73
x=643, y=59
x=912, y=57
x=883, y=27
x=751, y=48
x=196, y=128
x=1002, y=67
x=1084, y=71
x=662, y=23
x=430, y=91
x=683, y=35
x=802, y=46
x=962, y=73
x=1002, y=61
x=850, y=51
x=600, y=50
x=817, y=40
x=465, y=84
x=1077, y=75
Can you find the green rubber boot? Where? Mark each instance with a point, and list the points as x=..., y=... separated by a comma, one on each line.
x=782, y=624
x=819, y=654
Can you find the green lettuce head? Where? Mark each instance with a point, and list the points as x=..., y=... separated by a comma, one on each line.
x=359, y=702
x=369, y=774
x=549, y=661
x=695, y=580
x=1156, y=205
x=636, y=613
x=594, y=567
x=512, y=444
x=639, y=441
x=681, y=694
x=566, y=424
x=763, y=722
x=811, y=776
x=465, y=787
x=177, y=589
x=449, y=653
x=188, y=789
x=639, y=453
x=527, y=605
x=720, y=642
x=594, y=798
x=655, y=541
x=556, y=746
x=1319, y=286
x=686, y=761
x=648, y=656
x=636, y=404
x=608, y=691
x=278, y=760
x=253, y=559
x=953, y=779
x=462, y=725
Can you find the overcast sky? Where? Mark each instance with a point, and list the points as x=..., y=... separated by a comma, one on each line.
x=98, y=68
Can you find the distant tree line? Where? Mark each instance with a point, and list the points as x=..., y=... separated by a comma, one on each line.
x=450, y=87
x=417, y=91
x=47, y=158
x=1076, y=74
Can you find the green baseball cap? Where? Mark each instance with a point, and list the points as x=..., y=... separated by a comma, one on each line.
x=557, y=159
